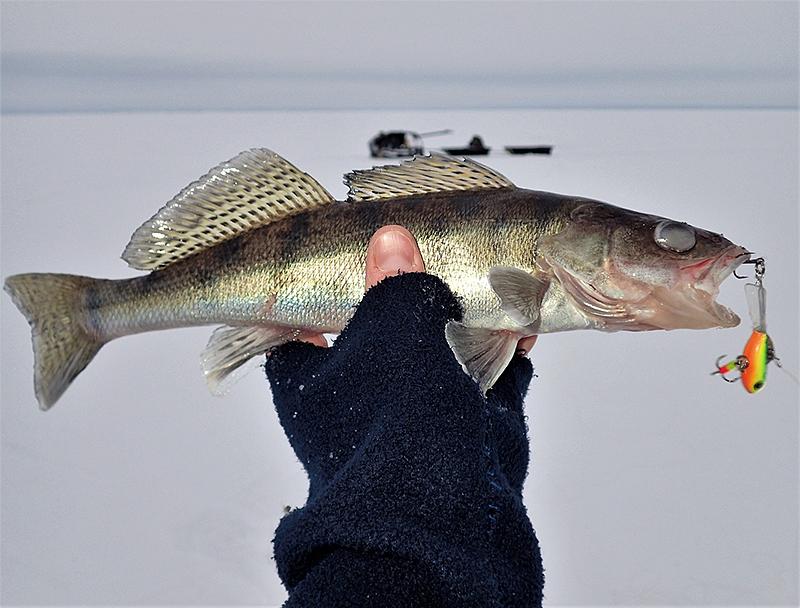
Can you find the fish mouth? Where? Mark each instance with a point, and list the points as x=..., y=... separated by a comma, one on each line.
x=688, y=304
x=692, y=303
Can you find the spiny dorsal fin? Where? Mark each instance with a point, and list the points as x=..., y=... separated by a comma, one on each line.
x=254, y=188
x=422, y=175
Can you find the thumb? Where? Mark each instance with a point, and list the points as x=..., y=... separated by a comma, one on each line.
x=392, y=250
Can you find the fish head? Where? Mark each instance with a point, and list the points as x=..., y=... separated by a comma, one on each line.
x=632, y=271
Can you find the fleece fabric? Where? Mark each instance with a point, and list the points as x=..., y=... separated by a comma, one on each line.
x=415, y=495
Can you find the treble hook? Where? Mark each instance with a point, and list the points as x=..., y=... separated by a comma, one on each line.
x=741, y=363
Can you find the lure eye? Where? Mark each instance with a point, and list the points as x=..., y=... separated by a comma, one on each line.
x=675, y=236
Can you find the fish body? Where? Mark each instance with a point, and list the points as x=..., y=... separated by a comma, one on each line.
x=300, y=272
x=261, y=249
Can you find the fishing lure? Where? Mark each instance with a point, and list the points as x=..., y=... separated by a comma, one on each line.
x=759, y=351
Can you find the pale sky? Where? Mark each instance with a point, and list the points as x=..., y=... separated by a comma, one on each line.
x=92, y=56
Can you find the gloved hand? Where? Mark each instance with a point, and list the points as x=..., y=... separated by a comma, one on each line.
x=415, y=476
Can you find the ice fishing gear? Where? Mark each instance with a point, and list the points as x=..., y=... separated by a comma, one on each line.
x=759, y=350
x=399, y=144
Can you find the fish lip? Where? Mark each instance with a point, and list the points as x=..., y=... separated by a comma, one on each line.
x=724, y=316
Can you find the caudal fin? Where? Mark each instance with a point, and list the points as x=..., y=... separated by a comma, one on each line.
x=62, y=347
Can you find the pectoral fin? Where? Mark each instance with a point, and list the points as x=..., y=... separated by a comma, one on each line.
x=483, y=353
x=520, y=292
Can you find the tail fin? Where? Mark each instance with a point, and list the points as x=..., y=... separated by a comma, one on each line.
x=54, y=305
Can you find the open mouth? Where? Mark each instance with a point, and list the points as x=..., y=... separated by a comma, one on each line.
x=697, y=300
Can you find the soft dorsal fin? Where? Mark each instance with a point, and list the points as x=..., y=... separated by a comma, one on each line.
x=422, y=175
x=254, y=188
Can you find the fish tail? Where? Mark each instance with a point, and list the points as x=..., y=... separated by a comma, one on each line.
x=54, y=305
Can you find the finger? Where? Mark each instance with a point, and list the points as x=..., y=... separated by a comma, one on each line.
x=526, y=344
x=316, y=339
x=392, y=250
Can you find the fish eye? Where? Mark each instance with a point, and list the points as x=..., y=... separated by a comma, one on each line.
x=675, y=236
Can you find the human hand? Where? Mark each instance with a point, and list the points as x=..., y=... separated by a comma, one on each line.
x=398, y=441
x=393, y=342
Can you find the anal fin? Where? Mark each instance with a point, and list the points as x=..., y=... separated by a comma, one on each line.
x=483, y=353
x=230, y=348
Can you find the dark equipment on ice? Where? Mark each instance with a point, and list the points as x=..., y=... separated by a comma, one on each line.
x=529, y=149
x=475, y=147
x=400, y=144
x=397, y=144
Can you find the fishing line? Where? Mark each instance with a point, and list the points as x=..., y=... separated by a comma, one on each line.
x=788, y=373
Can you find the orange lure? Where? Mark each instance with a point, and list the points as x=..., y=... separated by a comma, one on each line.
x=759, y=351
x=752, y=363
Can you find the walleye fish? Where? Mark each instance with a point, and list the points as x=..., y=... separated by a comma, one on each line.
x=260, y=248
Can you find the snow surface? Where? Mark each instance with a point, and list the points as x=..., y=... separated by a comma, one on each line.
x=652, y=482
